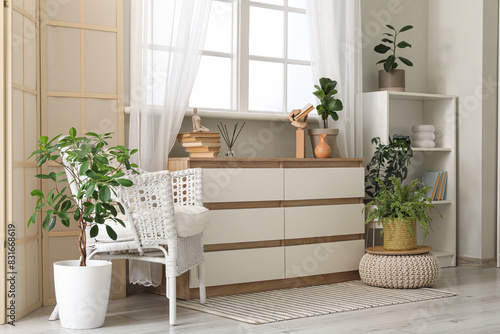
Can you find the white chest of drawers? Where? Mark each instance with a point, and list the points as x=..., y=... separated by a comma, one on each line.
x=278, y=223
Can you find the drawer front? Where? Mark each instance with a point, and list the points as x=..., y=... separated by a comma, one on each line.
x=317, y=183
x=239, y=266
x=243, y=225
x=325, y=258
x=324, y=220
x=242, y=184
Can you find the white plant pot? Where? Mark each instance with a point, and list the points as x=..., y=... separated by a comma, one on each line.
x=82, y=293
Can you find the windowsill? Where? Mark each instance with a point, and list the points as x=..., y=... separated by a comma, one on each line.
x=254, y=116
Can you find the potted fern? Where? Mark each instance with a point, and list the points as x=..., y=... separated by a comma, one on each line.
x=391, y=78
x=328, y=107
x=399, y=209
x=93, y=170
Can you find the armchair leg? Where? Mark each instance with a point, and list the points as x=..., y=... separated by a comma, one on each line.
x=201, y=278
x=172, y=295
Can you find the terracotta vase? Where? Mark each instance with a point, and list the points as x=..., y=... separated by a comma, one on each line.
x=322, y=150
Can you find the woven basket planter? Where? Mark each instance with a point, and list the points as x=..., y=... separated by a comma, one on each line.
x=397, y=235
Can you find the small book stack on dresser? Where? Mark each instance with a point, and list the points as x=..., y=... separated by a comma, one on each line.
x=200, y=144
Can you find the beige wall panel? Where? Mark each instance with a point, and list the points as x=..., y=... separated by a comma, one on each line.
x=101, y=116
x=18, y=200
x=100, y=12
x=18, y=3
x=30, y=183
x=63, y=59
x=21, y=276
x=17, y=48
x=30, y=126
x=32, y=270
x=30, y=7
x=62, y=10
x=100, y=62
x=63, y=113
x=60, y=249
x=30, y=71
x=17, y=124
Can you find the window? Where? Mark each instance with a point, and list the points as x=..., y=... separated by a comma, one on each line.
x=255, y=58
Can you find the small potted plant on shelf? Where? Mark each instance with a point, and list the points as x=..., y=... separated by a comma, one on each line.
x=94, y=170
x=399, y=208
x=391, y=78
x=328, y=106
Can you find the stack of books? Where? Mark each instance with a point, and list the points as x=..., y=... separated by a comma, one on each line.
x=200, y=144
x=438, y=182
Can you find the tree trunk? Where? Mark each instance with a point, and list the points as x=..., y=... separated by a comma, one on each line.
x=82, y=242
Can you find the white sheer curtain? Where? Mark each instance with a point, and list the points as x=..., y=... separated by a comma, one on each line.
x=167, y=39
x=335, y=35
x=166, y=43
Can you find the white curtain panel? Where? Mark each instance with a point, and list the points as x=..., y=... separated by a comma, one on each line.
x=166, y=42
x=336, y=44
x=167, y=39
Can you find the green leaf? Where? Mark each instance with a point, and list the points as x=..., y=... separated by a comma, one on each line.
x=101, y=160
x=88, y=211
x=53, y=176
x=405, y=28
x=42, y=176
x=37, y=193
x=92, y=134
x=77, y=215
x=72, y=133
x=99, y=219
x=387, y=40
x=389, y=63
x=52, y=223
x=84, y=167
x=104, y=194
x=381, y=61
x=111, y=232
x=94, y=231
x=390, y=27
x=122, y=209
x=65, y=222
x=42, y=160
x=381, y=48
x=90, y=189
x=387, y=34
x=44, y=139
x=64, y=215
x=403, y=45
x=406, y=61
x=32, y=219
x=126, y=182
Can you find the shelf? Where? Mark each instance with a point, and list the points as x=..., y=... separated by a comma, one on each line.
x=418, y=96
x=434, y=149
x=442, y=202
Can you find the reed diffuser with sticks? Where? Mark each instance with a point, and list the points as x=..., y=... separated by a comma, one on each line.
x=230, y=138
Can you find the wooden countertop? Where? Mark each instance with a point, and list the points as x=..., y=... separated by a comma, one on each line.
x=186, y=162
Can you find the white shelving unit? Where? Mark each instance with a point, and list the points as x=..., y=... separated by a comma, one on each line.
x=389, y=113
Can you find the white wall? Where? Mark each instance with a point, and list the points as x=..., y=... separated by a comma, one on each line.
x=462, y=48
x=375, y=15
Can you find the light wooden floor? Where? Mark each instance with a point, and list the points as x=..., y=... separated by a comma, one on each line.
x=475, y=310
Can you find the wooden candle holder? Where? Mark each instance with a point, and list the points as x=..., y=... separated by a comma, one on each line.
x=298, y=118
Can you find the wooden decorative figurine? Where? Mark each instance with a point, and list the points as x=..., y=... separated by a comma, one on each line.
x=298, y=117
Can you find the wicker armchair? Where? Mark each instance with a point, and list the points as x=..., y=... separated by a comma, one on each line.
x=149, y=205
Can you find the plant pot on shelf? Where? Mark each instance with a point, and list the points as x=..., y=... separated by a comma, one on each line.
x=82, y=293
x=331, y=138
x=397, y=234
x=392, y=81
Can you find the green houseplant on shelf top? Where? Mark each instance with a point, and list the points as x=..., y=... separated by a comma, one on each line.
x=328, y=107
x=399, y=208
x=387, y=161
x=391, y=78
x=87, y=195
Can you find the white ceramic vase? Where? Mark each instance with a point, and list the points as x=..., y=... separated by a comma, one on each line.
x=82, y=293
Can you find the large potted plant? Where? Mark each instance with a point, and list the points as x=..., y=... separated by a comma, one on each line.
x=93, y=170
x=399, y=208
x=387, y=161
x=391, y=78
x=328, y=107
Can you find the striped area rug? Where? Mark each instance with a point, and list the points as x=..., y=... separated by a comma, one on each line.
x=279, y=305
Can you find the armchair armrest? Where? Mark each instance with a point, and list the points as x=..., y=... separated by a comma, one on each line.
x=187, y=187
